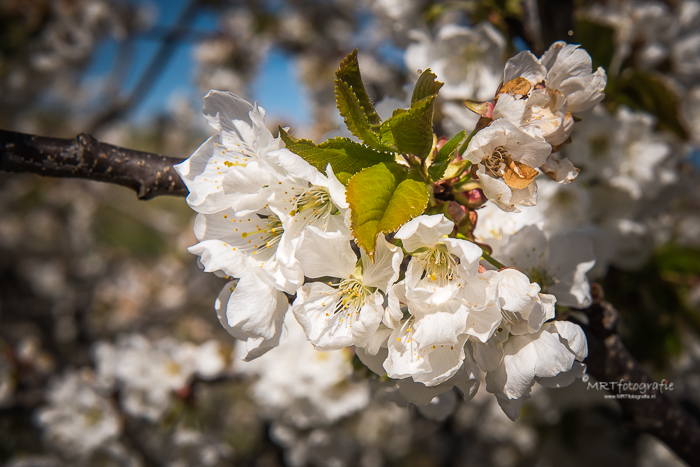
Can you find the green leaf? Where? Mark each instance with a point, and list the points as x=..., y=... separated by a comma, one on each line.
x=355, y=117
x=349, y=73
x=445, y=156
x=382, y=199
x=679, y=259
x=410, y=131
x=344, y=154
x=426, y=86
x=646, y=91
x=598, y=40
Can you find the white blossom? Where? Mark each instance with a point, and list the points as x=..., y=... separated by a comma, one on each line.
x=550, y=356
x=148, y=373
x=78, y=419
x=243, y=139
x=559, y=264
x=304, y=387
x=348, y=311
x=564, y=68
x=467, y=59
x=506, y=157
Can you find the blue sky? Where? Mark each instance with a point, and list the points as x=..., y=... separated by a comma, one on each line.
x=277, y=88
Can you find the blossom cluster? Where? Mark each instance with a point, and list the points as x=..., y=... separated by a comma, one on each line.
x=533, y=117
x=86, y=410
x=421, y=309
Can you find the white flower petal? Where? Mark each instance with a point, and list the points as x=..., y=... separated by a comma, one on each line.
x=442, y=327
x=510, y=108
x=256, y=345
x=573, y=337
x=203, y=175
x=526, y=357
x=424, y=231
x=480, y=290
x=395, y=298
x=256, y=309
x=569, y=69
x=336, y=189
x=564, y=378
x=445, y=361
x=377, y=341
x=511, y=407
x=229, y=113
x=468, y=253
x=483, y=323
x=331, y=327
x=386, y=267
x=298, y=167
x=561, y=170
x=515, y=290
x=325, y=254
x=404, y=358
x=419, y=393
x=373, y=362
x=525, y=65
x=526, y=250
x=503, y=196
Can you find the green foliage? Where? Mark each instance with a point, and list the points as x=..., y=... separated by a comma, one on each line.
x=347, y=157
x=354, y=115
x=382, y=195
x=641, y=90
x=445, y=155
x=382, y=198
x=349, y=74
x=426, y=87
x=598, y=40
x=410, y=131
x=679, y=259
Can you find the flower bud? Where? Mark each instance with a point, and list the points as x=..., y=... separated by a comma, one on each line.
x=472, y=199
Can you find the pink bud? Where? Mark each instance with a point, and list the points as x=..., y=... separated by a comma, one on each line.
x=441, y=142
x=483, y=109
x=456, y=211
x=472, y=199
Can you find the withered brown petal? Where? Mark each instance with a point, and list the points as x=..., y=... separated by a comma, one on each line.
x=515, y=86
x=518, y=175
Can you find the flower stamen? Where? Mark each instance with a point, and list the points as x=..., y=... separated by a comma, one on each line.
x=438, y=264
x=318, y=200
x=270, y=233
x=352, y=295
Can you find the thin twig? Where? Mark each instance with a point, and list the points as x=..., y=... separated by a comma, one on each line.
x=150, y=175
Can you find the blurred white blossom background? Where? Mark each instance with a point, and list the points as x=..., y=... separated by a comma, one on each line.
x=111, y=352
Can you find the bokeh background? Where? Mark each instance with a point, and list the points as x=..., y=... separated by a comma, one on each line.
x=110, y=349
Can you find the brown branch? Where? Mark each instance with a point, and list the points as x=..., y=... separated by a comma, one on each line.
x=148, y=174
x=609, y=361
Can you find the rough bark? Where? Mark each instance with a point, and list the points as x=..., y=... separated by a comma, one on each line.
x=609, y=361
x=150, y=175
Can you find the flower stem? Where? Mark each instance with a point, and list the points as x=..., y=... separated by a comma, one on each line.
x=491, y=260
x=484, y=253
